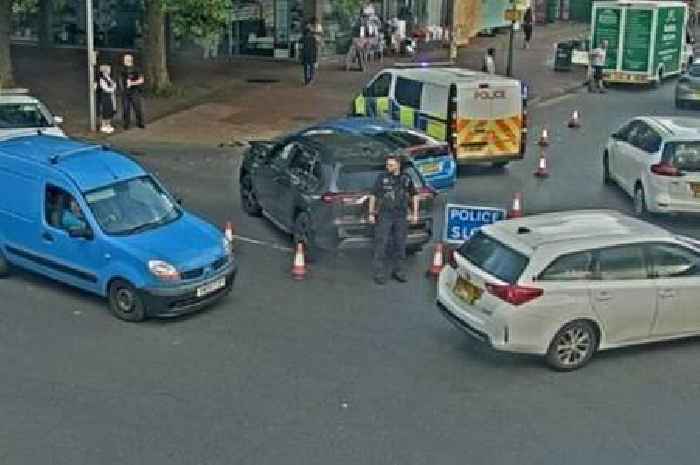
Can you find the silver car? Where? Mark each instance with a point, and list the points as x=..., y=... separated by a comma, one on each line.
x=688, y=87
x=21, y=113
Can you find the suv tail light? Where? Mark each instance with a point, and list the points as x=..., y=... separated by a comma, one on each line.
x=514, y=294
x=665, y=169
x=451, y=258
x=347, y=198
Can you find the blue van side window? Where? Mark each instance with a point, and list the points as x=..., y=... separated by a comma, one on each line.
x=408, y=92
x=62, y=211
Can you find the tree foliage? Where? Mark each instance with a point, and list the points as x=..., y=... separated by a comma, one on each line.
x=197, y=19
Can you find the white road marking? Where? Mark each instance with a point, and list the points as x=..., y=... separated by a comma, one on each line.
x=554, y=100
x=269, y=244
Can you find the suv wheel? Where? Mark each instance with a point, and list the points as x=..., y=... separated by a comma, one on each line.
x=248, y=198
x=4, y=266
x=125, y=302
x=640, y=203
x=572, y=347
x=607, y=179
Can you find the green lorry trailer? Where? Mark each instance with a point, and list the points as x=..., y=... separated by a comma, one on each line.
x=646, y=39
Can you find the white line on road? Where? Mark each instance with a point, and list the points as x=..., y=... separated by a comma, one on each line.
x=269, y=244
x=554, y=100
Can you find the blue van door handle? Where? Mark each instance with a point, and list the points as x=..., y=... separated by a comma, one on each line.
x=47, y=237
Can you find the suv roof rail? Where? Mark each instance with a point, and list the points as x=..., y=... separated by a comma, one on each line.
x=14, y=91
x=21, y=133
x=56, y=157
x=425, y=64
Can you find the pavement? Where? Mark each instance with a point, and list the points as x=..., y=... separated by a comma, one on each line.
x=334, y=369
x=225, y=101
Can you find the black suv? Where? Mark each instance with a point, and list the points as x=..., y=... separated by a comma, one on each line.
x=316, y=187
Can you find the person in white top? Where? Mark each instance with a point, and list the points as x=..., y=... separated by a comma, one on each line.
x=107, y=99
x=489, y=61
x=598, y=56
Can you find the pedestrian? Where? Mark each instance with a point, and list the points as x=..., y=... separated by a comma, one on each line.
x=309, y=56
x=489, y=65
x=107, y=100
x=597, y=60
x=527, y=27
x=389, y=202
x=131, y=84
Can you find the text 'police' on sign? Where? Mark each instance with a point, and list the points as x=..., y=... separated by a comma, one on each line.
x=462, y=221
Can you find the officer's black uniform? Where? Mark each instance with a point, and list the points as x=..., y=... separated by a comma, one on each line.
x=131, y=96
x=393, y=196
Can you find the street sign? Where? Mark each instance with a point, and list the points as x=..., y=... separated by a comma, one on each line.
x=462, y=221
x=513, y=15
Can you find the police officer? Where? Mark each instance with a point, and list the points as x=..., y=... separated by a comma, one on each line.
x=389, y=202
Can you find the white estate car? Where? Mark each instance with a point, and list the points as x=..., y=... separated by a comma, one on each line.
x=21, y=113
x=566, y=284
x=656, y=160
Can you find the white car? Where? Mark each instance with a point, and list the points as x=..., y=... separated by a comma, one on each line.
x=656, y=160
x=564, y=285
x=21, y=113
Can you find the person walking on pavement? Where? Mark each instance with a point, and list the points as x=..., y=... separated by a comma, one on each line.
x=527, y=27
x=309, y=55
x=131, y=82
x=107, y=101
x=392, y=195
x=598, y=56
x=489, y=65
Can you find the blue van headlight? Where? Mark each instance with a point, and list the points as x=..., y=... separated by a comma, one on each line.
x=163, y=270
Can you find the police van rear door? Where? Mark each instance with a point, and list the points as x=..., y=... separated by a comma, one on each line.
x=489, y=119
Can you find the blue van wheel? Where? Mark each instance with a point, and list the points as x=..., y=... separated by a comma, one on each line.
x=125, y=302
x=4, y=265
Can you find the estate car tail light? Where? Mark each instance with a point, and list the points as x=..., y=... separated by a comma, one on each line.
x=665, y=169
x=514, y=294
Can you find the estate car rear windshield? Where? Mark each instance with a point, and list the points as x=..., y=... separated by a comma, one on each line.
x=361, y=178
x=494, y=257
x=683, y=155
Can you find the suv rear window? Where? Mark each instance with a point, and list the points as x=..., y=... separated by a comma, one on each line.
x=683, y=155
x=361, y=178
x=400, y=139
x=494, y=257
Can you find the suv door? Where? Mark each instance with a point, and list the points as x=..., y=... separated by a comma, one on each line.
x=266, y=177
x=677, y=277
x=623, y=294
x=618, y=148
x=625, y=151
x=301, y=177
x=645, y=146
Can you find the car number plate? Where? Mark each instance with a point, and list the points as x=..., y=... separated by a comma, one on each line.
x=466, y=291
x=211, y=287
x=430, y=168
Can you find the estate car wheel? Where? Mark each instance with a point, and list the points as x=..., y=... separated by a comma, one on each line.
x=4, y=266
x=607, y=179
x=248, y=198
x=303, y=232
x=572, y=347
x=125, y=302
x=640, y=203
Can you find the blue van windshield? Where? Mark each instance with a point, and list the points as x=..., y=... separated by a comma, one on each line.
x=130, y=207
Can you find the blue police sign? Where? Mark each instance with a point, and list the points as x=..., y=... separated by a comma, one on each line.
x=462, y=221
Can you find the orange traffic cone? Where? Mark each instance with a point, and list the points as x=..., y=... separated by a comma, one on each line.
x=299, y=266
x=438, y=261
x=228, y=233
x=541, y=170
x=544, y=139
x=517, y=210
x=573, y=121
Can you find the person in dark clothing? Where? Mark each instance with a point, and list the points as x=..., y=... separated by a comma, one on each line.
x=527, y=27
x=309, y=55
x=393, y=193
x=131, y=84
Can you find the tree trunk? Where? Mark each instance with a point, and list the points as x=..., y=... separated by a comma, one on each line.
x=155, y=65
x=45, y=16
x=6, y=77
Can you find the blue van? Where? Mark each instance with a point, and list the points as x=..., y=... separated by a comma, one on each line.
x=93, y=218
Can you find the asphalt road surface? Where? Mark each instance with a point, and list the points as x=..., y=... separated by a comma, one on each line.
x=334, y=369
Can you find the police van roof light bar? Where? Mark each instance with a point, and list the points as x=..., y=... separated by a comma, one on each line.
x=425, y=64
